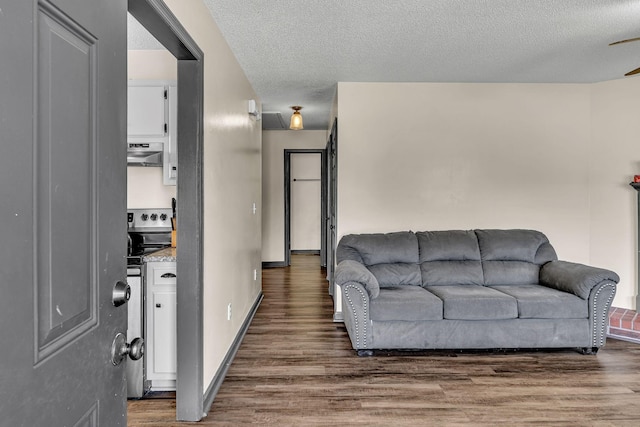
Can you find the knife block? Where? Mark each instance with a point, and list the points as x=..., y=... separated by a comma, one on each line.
x=174, y=232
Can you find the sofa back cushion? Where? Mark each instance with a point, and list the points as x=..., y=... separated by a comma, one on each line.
x=391, y=257
x=513, y=257
x=449, y=258
x=454, y=257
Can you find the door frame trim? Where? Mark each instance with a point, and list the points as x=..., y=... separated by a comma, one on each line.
x=158, y=19
x=332, y=215
x=287, y=200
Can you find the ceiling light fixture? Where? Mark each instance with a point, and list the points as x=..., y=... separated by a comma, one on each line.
x=296, y=119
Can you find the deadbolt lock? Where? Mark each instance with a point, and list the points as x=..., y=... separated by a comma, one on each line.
x=121, y=293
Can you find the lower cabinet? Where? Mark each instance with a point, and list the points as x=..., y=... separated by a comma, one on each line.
x=161, y=325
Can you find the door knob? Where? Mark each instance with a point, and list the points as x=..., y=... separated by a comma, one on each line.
x=120, y=349
x=121, y=293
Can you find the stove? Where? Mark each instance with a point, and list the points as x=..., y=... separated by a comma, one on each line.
x=149, y=231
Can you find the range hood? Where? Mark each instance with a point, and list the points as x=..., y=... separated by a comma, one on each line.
x=145, y=154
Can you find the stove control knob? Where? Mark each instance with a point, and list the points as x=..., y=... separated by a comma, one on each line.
x=163, y=217
x=154, y=217
x=144, y=217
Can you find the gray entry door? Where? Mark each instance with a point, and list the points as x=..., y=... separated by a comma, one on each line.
x=62, y=211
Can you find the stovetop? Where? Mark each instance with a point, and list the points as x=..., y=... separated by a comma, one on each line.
x=149, y=231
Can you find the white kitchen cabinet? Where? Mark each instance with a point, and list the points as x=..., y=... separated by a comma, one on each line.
x=152, y=116
x=161, y=342
x=146, y=111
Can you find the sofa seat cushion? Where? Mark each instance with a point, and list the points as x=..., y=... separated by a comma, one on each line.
x=408, y=303
x=540, y=302
x=473, y=302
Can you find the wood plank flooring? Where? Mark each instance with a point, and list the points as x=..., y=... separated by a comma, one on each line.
x=296, y=368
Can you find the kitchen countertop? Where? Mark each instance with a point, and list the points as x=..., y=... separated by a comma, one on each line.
x=163, y=255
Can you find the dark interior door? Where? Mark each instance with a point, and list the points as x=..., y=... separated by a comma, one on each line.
x=332, y=195
x=63, y=209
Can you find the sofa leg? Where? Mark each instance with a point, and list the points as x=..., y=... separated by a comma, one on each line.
x=589, y=350
x=365, y=353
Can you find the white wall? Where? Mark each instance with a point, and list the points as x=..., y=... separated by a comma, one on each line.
x=232, y=183
x=151, y=65
x=273, y=145
x=614, y=159
x=144, y=185
x=146, y=190
x=431, y=156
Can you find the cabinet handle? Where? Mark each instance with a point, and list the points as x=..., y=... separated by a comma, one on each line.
x=168, y=275
x=158, y=305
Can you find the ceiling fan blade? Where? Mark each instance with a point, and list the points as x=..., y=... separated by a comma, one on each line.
x=624, y=41
x=634, y=72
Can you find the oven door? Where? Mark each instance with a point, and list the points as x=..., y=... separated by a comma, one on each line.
x=145, y=242
x=135, y=368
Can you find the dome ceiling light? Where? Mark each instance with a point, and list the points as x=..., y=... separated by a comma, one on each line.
x=296, y=119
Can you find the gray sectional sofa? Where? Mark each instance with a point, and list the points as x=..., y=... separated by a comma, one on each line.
x=477, y=289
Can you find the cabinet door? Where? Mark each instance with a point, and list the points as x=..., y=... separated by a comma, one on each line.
x=164, y=334
x=161, y=333
x=163, y=274
x=170, y=175
x=146, y=111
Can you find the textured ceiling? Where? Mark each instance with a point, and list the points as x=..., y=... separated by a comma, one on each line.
x=294, y=52
x=138, y=37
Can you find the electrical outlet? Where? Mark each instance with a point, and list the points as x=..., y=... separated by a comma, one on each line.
x=255, y=274
x=254, y=208
x=229, y=312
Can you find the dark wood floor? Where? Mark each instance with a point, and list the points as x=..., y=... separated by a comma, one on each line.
x=296, y=368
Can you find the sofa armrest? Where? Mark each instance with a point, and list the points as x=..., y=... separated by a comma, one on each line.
x=353, y=271
x=356, y=314
x=578, y=279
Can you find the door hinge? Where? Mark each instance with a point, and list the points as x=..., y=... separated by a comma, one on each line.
x=165, y=94
x=165, y=128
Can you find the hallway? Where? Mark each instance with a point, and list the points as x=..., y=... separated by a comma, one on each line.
x=296, y=368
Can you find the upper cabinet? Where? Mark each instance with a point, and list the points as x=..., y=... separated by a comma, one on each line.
x=152, y=116
x=146, y=111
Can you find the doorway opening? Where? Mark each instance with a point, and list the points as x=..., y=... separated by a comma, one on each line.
x=160, y=22
x=305, y=210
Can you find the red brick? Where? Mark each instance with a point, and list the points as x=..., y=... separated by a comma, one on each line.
x=614, y=319
x=627, y=323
